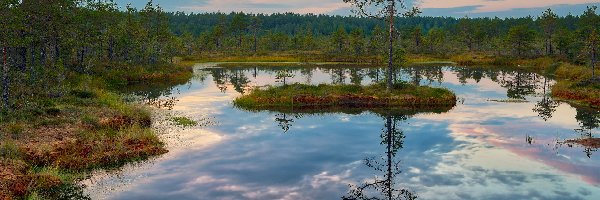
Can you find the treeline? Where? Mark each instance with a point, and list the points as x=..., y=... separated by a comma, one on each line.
x=570, y=37
x=45, y=43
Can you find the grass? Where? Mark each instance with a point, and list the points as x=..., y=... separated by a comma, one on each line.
x=346, y=96
x=471, y=59
x=49, y=143
x=288, y=56
x=184, y=121
x=84, y=130
x=118, y=75
x=575, y=85
x=583, y=95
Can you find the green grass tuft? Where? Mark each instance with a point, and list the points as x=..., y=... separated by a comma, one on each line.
x=184, y=121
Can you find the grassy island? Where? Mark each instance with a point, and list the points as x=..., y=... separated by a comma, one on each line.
x=322, y=96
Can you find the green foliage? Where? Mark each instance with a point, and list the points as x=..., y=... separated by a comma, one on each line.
x=184, y=121
x=521, y=38
x=300, y=95
x=562, y=37
x=283, y=75
x=357, y=42
x=9, y=149
x=46, y=44
x=548, y=21
x=338, y=39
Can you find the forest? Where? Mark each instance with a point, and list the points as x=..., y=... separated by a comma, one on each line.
x=43, y=44
x=570, y=37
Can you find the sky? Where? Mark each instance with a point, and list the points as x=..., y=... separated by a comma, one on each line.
x=452, y=8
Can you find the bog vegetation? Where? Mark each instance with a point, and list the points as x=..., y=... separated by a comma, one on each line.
x=58, y=115
x=62, y=59
x=300, y=96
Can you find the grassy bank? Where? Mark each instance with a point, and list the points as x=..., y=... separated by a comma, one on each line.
x=52, y=142
x=309, y=58
x=288, y=56
x=540, y=63
x=300, y=96
x=575, y=84
x=294, y=64
x=116, y=75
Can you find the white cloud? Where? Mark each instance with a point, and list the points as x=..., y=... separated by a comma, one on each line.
x=499, y=5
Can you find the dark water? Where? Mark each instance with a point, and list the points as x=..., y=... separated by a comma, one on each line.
x=484, y=148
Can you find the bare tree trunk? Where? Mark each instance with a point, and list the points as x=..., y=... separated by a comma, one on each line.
x=391, y=12
x=389, y=155
x=5, y=85
x=593, y=60
x=23, y=61
x=32, y=63
x=44, y=55
x=110, y=49
x=254, y=42
x=82, y=58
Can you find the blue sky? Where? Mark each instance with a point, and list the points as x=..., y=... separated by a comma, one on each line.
x=454, y=8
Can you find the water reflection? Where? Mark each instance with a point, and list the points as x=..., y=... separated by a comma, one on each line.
x=546, y=107
x=66, y=192
x=384, y=187
x=589, y=120
x=475, y=151
x=285, y=120
x=221, y=78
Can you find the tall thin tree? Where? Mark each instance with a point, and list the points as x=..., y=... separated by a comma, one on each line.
x=382, y=9
x=549, y=21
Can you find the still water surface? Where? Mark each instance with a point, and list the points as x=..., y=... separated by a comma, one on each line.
x=484, y=148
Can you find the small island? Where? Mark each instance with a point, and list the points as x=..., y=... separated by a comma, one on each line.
x=301, y=96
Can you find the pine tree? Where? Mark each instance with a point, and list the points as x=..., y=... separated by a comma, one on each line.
x=548, y=21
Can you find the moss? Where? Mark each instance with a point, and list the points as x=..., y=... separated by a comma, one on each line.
x=583, y=95
x=586, y=142
x=54, y=141
x=83, y=94
x=9, y=149
x=346, y=96
x=575, y=84
x=184, y=121
x=53, y=111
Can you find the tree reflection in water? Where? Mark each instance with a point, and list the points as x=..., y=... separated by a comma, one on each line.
x=220, y=77
x=239, y=81
x=546, y=107
x=286, y=120
x=589, y=120
x=384, y=187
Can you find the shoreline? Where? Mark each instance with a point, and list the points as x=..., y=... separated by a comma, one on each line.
x=48, y=148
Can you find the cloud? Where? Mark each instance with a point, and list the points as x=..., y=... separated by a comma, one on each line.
x=499, y=5
x=267, y=6
x=472, y=11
